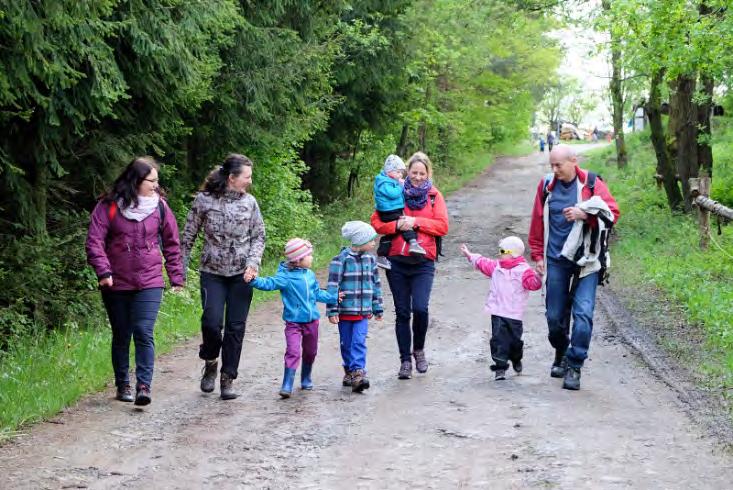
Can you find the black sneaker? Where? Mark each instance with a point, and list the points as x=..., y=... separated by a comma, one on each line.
x=559, y=369
x=572, y=379
x=500, y=375
x=208, y=378
x=517, y=366
x=142, y=397
x=124, y=393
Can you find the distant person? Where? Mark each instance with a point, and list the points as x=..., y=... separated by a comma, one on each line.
x=550, y=140
x=594, y=135
x=542, y=143
x=511, y=281
x=234, y=240
x=132, y=228
x=354, y=273
x=579, y=211
x=389, y=202
x=299, y=292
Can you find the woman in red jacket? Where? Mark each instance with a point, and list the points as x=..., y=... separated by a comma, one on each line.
x=411, y=276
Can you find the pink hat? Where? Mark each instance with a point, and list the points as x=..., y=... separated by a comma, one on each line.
x=297, y=248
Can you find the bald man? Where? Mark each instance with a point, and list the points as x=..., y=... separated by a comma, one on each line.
x=570, y=290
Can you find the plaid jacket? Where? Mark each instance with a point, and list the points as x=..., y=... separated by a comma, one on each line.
x=355, y=274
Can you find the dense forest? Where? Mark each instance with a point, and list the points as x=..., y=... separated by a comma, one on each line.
x=316, y=93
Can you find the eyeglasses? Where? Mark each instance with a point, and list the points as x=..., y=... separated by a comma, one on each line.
x=154, y=181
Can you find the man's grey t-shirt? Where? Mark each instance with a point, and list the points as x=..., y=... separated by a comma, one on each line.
x=564, y=195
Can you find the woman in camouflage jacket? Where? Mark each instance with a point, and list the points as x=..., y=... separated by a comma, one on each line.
x=234, y=240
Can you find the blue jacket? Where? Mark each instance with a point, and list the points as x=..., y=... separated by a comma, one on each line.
x=388, y=193
x=299, y=291
x=356, y=275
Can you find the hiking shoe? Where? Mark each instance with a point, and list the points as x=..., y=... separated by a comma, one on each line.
x=421, y=364
x=559, y=369
x=500, y=375
x=124, y=393
x=208, y=376
x=225, y=387
x=142, y=397
x=383, y=262
x=517, y=366
x=572, y=379
x=415, y=248
x=348, y=376
x=359, y=381
x=405, y=370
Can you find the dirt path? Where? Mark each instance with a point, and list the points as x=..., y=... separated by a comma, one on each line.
x=453, y=427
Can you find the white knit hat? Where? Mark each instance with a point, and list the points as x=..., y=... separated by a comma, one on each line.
x=512, y=244
x=297, y=248
x=393, y=162
x=358, y=232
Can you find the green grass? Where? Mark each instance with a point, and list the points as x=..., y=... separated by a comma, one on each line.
x=39, y=376
x=661, y=249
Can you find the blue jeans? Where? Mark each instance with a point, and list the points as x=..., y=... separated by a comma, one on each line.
x=132, y=314
x=560, y=308
x=353, y=343
x=217, y=294
x=411, y=285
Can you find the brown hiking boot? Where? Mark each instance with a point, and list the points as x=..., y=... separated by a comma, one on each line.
x=359, y=381
x=348, y=375
x=226, y=388
x=208, y=377
x=421, y=364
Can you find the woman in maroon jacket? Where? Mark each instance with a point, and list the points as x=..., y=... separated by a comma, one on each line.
x=129, y=227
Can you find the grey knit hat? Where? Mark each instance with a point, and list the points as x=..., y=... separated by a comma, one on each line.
x=393, y=162
x=358, y=232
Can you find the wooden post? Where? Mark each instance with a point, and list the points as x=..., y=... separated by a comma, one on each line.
x=701, y=187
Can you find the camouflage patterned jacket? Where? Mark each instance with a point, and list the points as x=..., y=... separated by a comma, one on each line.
x=234, y=233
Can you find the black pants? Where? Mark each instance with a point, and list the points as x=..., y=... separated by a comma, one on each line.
x=386, y=241
x=218, y=293
x=506, y=341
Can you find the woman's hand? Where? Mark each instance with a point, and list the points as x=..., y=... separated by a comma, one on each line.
x=406, y=223
x=465, y=251
x=333, y=319
x=106, y=282
x=250, y=274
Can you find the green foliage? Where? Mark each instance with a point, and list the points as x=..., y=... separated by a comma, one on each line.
x=661, y=248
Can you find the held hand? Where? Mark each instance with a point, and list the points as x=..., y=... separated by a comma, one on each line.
x=574, y=213
x=540, y=268
x=334, y=319
x=465, y=251
x=341, y=295
x=249, y=274
x=106, y=282
x=378, y=318
x=177, y=289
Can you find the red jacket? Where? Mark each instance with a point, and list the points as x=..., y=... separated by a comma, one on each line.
x=430, y=221
x=537, y=226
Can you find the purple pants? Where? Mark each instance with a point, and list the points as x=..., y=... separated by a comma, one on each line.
x=297, y=334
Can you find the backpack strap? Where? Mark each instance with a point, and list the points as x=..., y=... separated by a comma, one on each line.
x=112, y=212
x=546, y=182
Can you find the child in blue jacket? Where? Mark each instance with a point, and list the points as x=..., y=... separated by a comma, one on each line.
x=389, y=201
x=299, y=292
x=353, y=272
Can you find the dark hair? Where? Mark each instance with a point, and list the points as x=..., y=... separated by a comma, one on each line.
x=217, y=181
x=126, y=185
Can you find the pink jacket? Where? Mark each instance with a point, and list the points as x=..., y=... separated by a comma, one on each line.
x=511, y=282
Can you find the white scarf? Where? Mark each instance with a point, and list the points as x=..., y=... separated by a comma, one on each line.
x=145, y=207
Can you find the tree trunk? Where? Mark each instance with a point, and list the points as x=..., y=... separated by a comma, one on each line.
x=423, y=128
x=704, y=112
x=354, y=170
x=319, y=179
x=39, y=181
x=617, y=97
x=665, y=164
x=682, y=109
x=401, y=149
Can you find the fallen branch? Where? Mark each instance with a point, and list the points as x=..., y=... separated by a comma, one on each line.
x=714, y=207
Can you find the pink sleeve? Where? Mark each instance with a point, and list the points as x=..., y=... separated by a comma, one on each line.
x=531, y=281
x=483, y=264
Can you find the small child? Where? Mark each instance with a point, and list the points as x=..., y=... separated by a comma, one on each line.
x=299, y=292
x=353, y=272
x=511, y=280
x=390, y=205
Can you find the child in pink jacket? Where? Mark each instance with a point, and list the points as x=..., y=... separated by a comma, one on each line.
x=511, y=281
